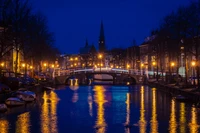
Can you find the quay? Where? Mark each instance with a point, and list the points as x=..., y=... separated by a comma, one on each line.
x=190, y=92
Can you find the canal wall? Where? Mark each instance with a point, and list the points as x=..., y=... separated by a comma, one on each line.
x=175, y=90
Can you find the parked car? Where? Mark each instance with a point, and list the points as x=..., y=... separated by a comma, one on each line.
x=26, y=80
x=9, y=79
x=4, y=89
x=40, y=77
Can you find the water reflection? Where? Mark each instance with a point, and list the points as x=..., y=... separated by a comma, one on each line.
x=172, y=121
x=154, y=122
x=73, y=82
x=127, y=130
x=90, y=102
x=23, y=123
x=49, y=113
x=193, y=124
x=4, y=125
x=100, y=100
x=182, y=118
x=142, y=122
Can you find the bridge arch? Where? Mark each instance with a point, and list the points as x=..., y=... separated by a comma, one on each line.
x=119, y=77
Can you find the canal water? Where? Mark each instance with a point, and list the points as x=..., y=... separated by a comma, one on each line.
x=102, y=109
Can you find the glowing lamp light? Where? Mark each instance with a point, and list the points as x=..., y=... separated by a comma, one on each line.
x=100, y=56
x=45, y=64
x=154, y=63
x=23, y=65
x=128, y=66
x=193, y=63
x=172, y=64
x=52, y=65
x=31, y=67
x=2, y=64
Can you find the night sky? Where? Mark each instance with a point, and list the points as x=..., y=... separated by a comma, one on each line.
x=72, y=21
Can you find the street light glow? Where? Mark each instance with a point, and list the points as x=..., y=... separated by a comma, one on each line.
x=193, y=63
x=172, y=64
x=45, y=64
x=128, y=65
x=2, y=64
x=154, y=63
x=100, y=56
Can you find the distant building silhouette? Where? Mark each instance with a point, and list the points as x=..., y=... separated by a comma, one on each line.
x=102, y=46
x=88, y=54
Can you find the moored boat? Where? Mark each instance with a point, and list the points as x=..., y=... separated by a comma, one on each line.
x=180, y=98
x=25, y=95
x=48, y=88
x=3, y=108
x=14, y=101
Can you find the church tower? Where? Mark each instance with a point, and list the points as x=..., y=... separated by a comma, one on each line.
x=102, y=46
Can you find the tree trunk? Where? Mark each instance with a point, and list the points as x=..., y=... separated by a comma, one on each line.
x=16, y=61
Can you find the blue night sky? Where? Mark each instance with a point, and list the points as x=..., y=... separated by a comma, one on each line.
x=72, y=21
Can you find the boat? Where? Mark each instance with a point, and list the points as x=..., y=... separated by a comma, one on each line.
x=48, y=88
x=3, y=108
x=180, y=98
x=14, y=101
x=25, y=95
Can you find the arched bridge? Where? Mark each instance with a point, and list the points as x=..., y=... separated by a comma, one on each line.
x=111, y=75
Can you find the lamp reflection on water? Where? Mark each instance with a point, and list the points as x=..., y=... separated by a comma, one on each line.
x=74, y=86
x=4, y=126
x=182, y=118
x=90, y=103
x=127, y=130
x=23, y=123
x=100, y=100
x=154, y=122
x=193, y=125
x=49, y=113
x=172, y=121
x=73, y=82
x=142, y=122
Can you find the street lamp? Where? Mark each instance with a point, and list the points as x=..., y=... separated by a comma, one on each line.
x=128, y=66
x=193, y=71
x=53, y=70
x=154, y=63
x=23, y=65
x=172, y=65
x=100, y=57
x=2, y=64
x=142, y=65
x=45, y=65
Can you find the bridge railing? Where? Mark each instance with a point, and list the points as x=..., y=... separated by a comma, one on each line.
x=103, y=70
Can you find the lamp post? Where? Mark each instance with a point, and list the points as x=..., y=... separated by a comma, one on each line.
x=53, y=71
x=154, y=63
x=23, y=65
x=172, y=66
x=193, y=71
x=142, y=65
x=100, y=57
x=128, y=66
x=45, y=65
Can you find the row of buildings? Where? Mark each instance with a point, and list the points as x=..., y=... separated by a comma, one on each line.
x=156, y=54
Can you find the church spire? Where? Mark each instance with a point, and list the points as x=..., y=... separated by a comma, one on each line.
x=102, y=39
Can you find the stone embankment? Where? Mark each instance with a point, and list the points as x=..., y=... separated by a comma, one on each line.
x=190, y=92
